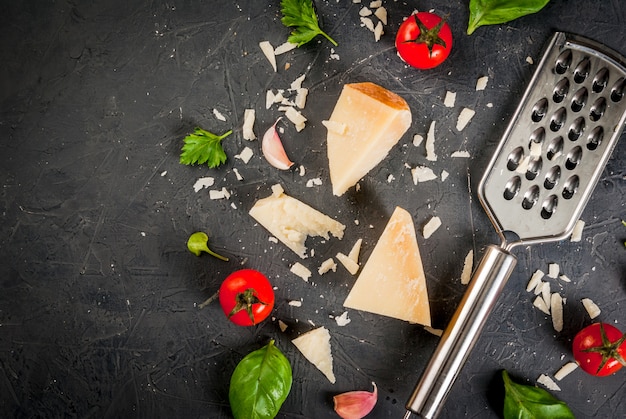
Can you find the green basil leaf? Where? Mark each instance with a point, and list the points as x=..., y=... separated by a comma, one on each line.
x=529, y=402
x=260, y=384
x=493, y=12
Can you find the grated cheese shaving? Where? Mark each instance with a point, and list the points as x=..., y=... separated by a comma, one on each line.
x=592, y=309
x=431, y=226
x=565, y=370
x=547, y=382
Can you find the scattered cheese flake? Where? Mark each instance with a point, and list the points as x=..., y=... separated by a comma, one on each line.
x=450, y=99
x=592, y=309
x=417, y=140
x=327, y=265
x=378, y=31
x=283, y=48
x=272, y=239
x=237, y=174
x=556, y=308
x=268, y=50
x=540, y=303
x=436, y=332
x=468, y=266
x=553, y=270
x=355, y=251
x=296, y=118
x=297, y=83
x=376, y=4
x=348, y=263
x=464, y=118
x=343, y=319
x=295, y=303
x=315, y=346
x=444, y=175
x=282, y=325
x=313, y=182
x=368, y=23
x=481, y=83
x=547, y=382
x=301, y=96
x=431, y=226
x=564, y=278
x=163, y=173
x=577, y=233
x=422, y=174
x=203, y=182
x=248, y=125
x=535, y=280
x=365, y=11
x=269, y=99
x=218, y=115
x=565, y=370
x=300, y=270
x=460, y=154
x=221, y=194
x=530, y=60
x=430, y=143
x=245, y=155
x=335, y=127
x=546, y=293
x=381, y=13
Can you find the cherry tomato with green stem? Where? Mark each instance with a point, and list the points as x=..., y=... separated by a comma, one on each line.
x=600, y=349
x=424, y=40
x=246, y=297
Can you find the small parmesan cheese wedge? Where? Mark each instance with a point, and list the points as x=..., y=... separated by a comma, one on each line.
x=592, y=309
x=268, y=51
x=556, y=308
x=565, y=370
x=348, y=263
x=548, y=383
x=392, y=281
x=248, y=125
x=468, y=266
x=464, y=118
x=315, y=346
x=300, y=270
x=292, y=221
x=431, y=226
x=375, y=120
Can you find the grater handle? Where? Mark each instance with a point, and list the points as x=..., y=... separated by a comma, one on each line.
x=461, y=333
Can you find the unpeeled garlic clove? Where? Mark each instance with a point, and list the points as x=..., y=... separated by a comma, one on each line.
x=355, y=404
x=273, y=149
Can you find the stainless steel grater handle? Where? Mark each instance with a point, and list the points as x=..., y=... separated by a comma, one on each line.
x=461, y=333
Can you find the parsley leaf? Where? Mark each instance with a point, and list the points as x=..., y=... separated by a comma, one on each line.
x=300, y=14
x=203, y=147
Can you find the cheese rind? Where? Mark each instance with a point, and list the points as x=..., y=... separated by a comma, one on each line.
x=292, y=221
x=392, y=282
x=315, y=346
x=375, y=120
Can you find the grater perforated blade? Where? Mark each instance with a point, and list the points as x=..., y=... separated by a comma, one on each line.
x=536, y=185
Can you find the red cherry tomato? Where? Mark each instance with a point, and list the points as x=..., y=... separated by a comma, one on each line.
x=246, y=297
x=424, y=40
x=600, y=349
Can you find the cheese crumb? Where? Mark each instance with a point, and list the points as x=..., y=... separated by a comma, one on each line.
x=481, y=83
x=535, y=280
x=248, y=125
x=300, y=270
x=328, y=265
x=348, y=263
x=203, y=182
x=282, y=325
x=295, y=303
x=378, y=31
x=553, y=270
x=577, y=233
x=468, y=266
x=556, y=308
x=335, y=127
x=592, y=309
x=381, y=13
x=430, y=143
x=461, y=154
x=449, y=99
x=436, y=332
x=417, y=140
x=245, y=155
x=343, y=319
x=283, y=48
x=431, y=226
x=365, y=11
x=548, y=383
x=565, y=370
x=464, y=118
x=218, y=115
x=444, y=175
x=355, y=251
x=268, y=51
x=313, y=182
x=540, y=303
x=219, y=194
x=368, y=23
x=237, y=174
x=422, y=174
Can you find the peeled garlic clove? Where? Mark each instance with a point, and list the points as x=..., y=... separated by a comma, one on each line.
x=355, y=404
x=273, y=149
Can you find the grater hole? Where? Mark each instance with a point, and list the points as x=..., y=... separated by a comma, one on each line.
x=558, y=119
x=536, y=140
x=515, y=158
x=601, y=80
x=571, y=186
x=534, y=167
x=573, y=158
x=617, y=91
x=549, y=206
x=595, y=138
x=597, y=109
x=512, y=188
x=530, y=197
x=563, y=62
x=560, y=90
x=539, y=110
x=581, y=72
x=552, y=177
x=580, y=99
x=555, y=148
x=576, y=129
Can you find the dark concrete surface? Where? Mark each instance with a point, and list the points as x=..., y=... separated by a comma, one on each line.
x=99, y=297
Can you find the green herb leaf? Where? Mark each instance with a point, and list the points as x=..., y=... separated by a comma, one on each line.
x=300, y=14
x=493, y=12
x=198, y=242
x=203, y=147
x=529, y=402
x=260, y=384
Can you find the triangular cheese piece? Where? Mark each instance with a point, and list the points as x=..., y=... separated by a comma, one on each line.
x=315, y=346
x=392, y=282
x=368, y=120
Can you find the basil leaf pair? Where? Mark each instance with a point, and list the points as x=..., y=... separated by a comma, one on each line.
x=493, y=12
x=260, y=384
x=529, y=402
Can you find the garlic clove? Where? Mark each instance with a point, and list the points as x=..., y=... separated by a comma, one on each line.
x=355, y=404
x=273, y=149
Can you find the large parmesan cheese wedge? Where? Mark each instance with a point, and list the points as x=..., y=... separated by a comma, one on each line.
x=392, y=282
x=315, y=346
x=292, y=221
x=374, y=120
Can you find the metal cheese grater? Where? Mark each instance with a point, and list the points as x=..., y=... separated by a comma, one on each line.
x=536, y=185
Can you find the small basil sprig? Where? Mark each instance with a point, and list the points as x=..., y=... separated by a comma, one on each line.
x=493, y=12
x=260, y=384
x=529, y=402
